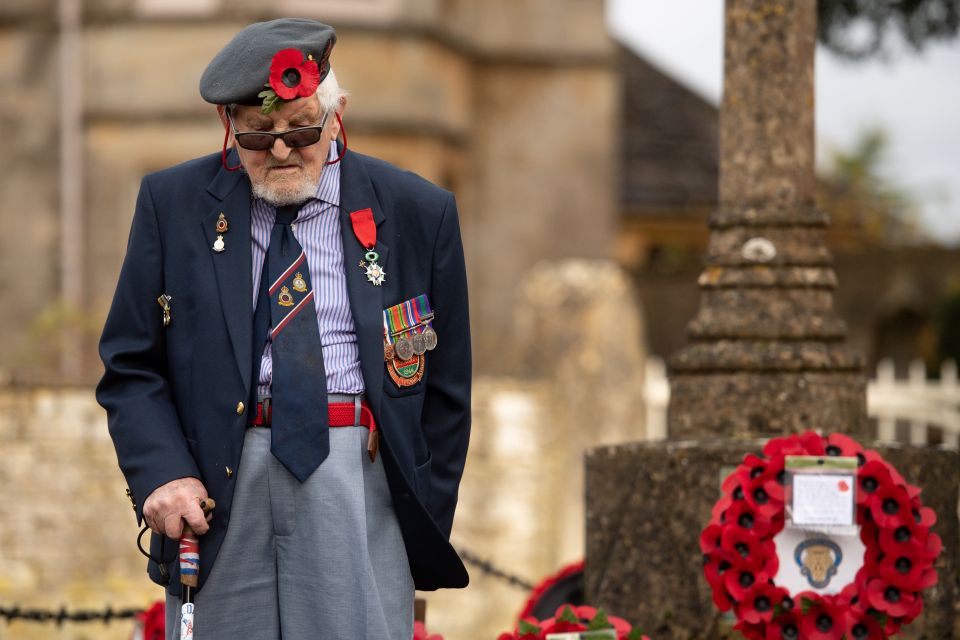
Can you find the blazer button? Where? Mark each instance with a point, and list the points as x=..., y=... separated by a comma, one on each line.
x=240, y=408
x=229, y=472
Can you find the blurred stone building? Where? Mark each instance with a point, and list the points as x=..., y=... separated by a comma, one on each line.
x=512, y=104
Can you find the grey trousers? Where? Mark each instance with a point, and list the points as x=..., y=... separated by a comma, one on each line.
x=322, y=559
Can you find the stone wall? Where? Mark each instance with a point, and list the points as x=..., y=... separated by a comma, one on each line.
x=67, y=532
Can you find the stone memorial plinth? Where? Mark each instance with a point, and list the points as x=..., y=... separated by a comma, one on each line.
x=766, y=355
x=648, y=502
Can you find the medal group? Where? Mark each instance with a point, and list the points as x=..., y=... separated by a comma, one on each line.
x=407, y=335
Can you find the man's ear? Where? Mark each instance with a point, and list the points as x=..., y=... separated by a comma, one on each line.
x=222, y=112
x=342, y=106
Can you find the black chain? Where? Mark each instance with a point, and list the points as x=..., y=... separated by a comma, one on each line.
x=490, y=569
x=62, y=615
x=108, y=614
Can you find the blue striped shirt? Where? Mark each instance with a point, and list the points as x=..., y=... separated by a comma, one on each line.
x=317, y=229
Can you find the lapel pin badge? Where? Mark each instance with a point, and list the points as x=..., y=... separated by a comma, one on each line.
x=164, y=302
x=222, y=227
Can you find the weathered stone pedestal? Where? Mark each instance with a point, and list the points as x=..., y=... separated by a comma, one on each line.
x=647, y=504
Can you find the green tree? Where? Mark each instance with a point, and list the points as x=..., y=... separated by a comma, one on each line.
x=860, y=198
x=918, y=21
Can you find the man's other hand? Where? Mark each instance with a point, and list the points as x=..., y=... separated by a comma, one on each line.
x=170, y=504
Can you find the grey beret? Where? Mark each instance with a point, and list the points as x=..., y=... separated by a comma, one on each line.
x=241, y=69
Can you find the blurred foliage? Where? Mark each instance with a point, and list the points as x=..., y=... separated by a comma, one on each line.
x=858, y=29
x=862, y=200
x=948, y=320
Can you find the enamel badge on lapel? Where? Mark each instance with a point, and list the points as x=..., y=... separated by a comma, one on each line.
x=222, y=227
x=407, y=336
x=366, y=231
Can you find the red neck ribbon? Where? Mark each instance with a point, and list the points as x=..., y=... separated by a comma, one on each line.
x=364, y=228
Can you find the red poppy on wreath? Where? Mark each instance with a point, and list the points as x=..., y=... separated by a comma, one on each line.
x=890, y=506
x=822, y=620
x=153, y=621
x=760, y=603
x=740, y=559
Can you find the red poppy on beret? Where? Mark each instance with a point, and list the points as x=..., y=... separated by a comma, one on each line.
x=292, y=76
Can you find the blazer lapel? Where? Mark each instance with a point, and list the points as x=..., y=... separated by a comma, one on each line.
x=232, y=266
x=366, y=299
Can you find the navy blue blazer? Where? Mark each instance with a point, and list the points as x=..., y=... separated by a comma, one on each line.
x=172, y=393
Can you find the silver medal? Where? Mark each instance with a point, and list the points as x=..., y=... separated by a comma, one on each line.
x=218, y=245
x=403, y=349
x=419, y=344
x=430, y=338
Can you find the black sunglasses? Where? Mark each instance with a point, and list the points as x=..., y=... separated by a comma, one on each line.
x=264, y=140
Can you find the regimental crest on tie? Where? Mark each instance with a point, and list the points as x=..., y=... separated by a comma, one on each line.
x=292, y=277
x=407, y=335
x=299, y=284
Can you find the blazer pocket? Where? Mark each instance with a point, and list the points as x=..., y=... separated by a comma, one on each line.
x=422, y=474
x=408, y=386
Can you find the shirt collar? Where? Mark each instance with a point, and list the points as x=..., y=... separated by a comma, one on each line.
x=329, y=188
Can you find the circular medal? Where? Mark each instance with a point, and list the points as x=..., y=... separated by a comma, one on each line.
x=403, y=349
x=388, y=352
x=430, y=337
x=419, y=344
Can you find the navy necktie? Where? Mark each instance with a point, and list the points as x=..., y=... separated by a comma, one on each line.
x=299, y=422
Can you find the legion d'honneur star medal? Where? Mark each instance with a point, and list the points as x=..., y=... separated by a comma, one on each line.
x=366, y=231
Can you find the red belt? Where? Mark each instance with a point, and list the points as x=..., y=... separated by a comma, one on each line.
x=339, y=414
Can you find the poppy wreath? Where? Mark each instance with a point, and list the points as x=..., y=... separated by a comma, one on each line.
x=573, y=570
x=740, y=559
x=570, y=619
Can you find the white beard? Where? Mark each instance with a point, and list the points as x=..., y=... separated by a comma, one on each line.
x=284, y=194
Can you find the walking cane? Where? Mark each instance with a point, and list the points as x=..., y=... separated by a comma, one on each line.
x=190, y=570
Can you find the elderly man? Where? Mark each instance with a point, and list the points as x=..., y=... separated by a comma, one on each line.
x=290, y=337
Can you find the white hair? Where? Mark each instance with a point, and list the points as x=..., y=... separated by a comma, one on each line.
x=329, y=93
